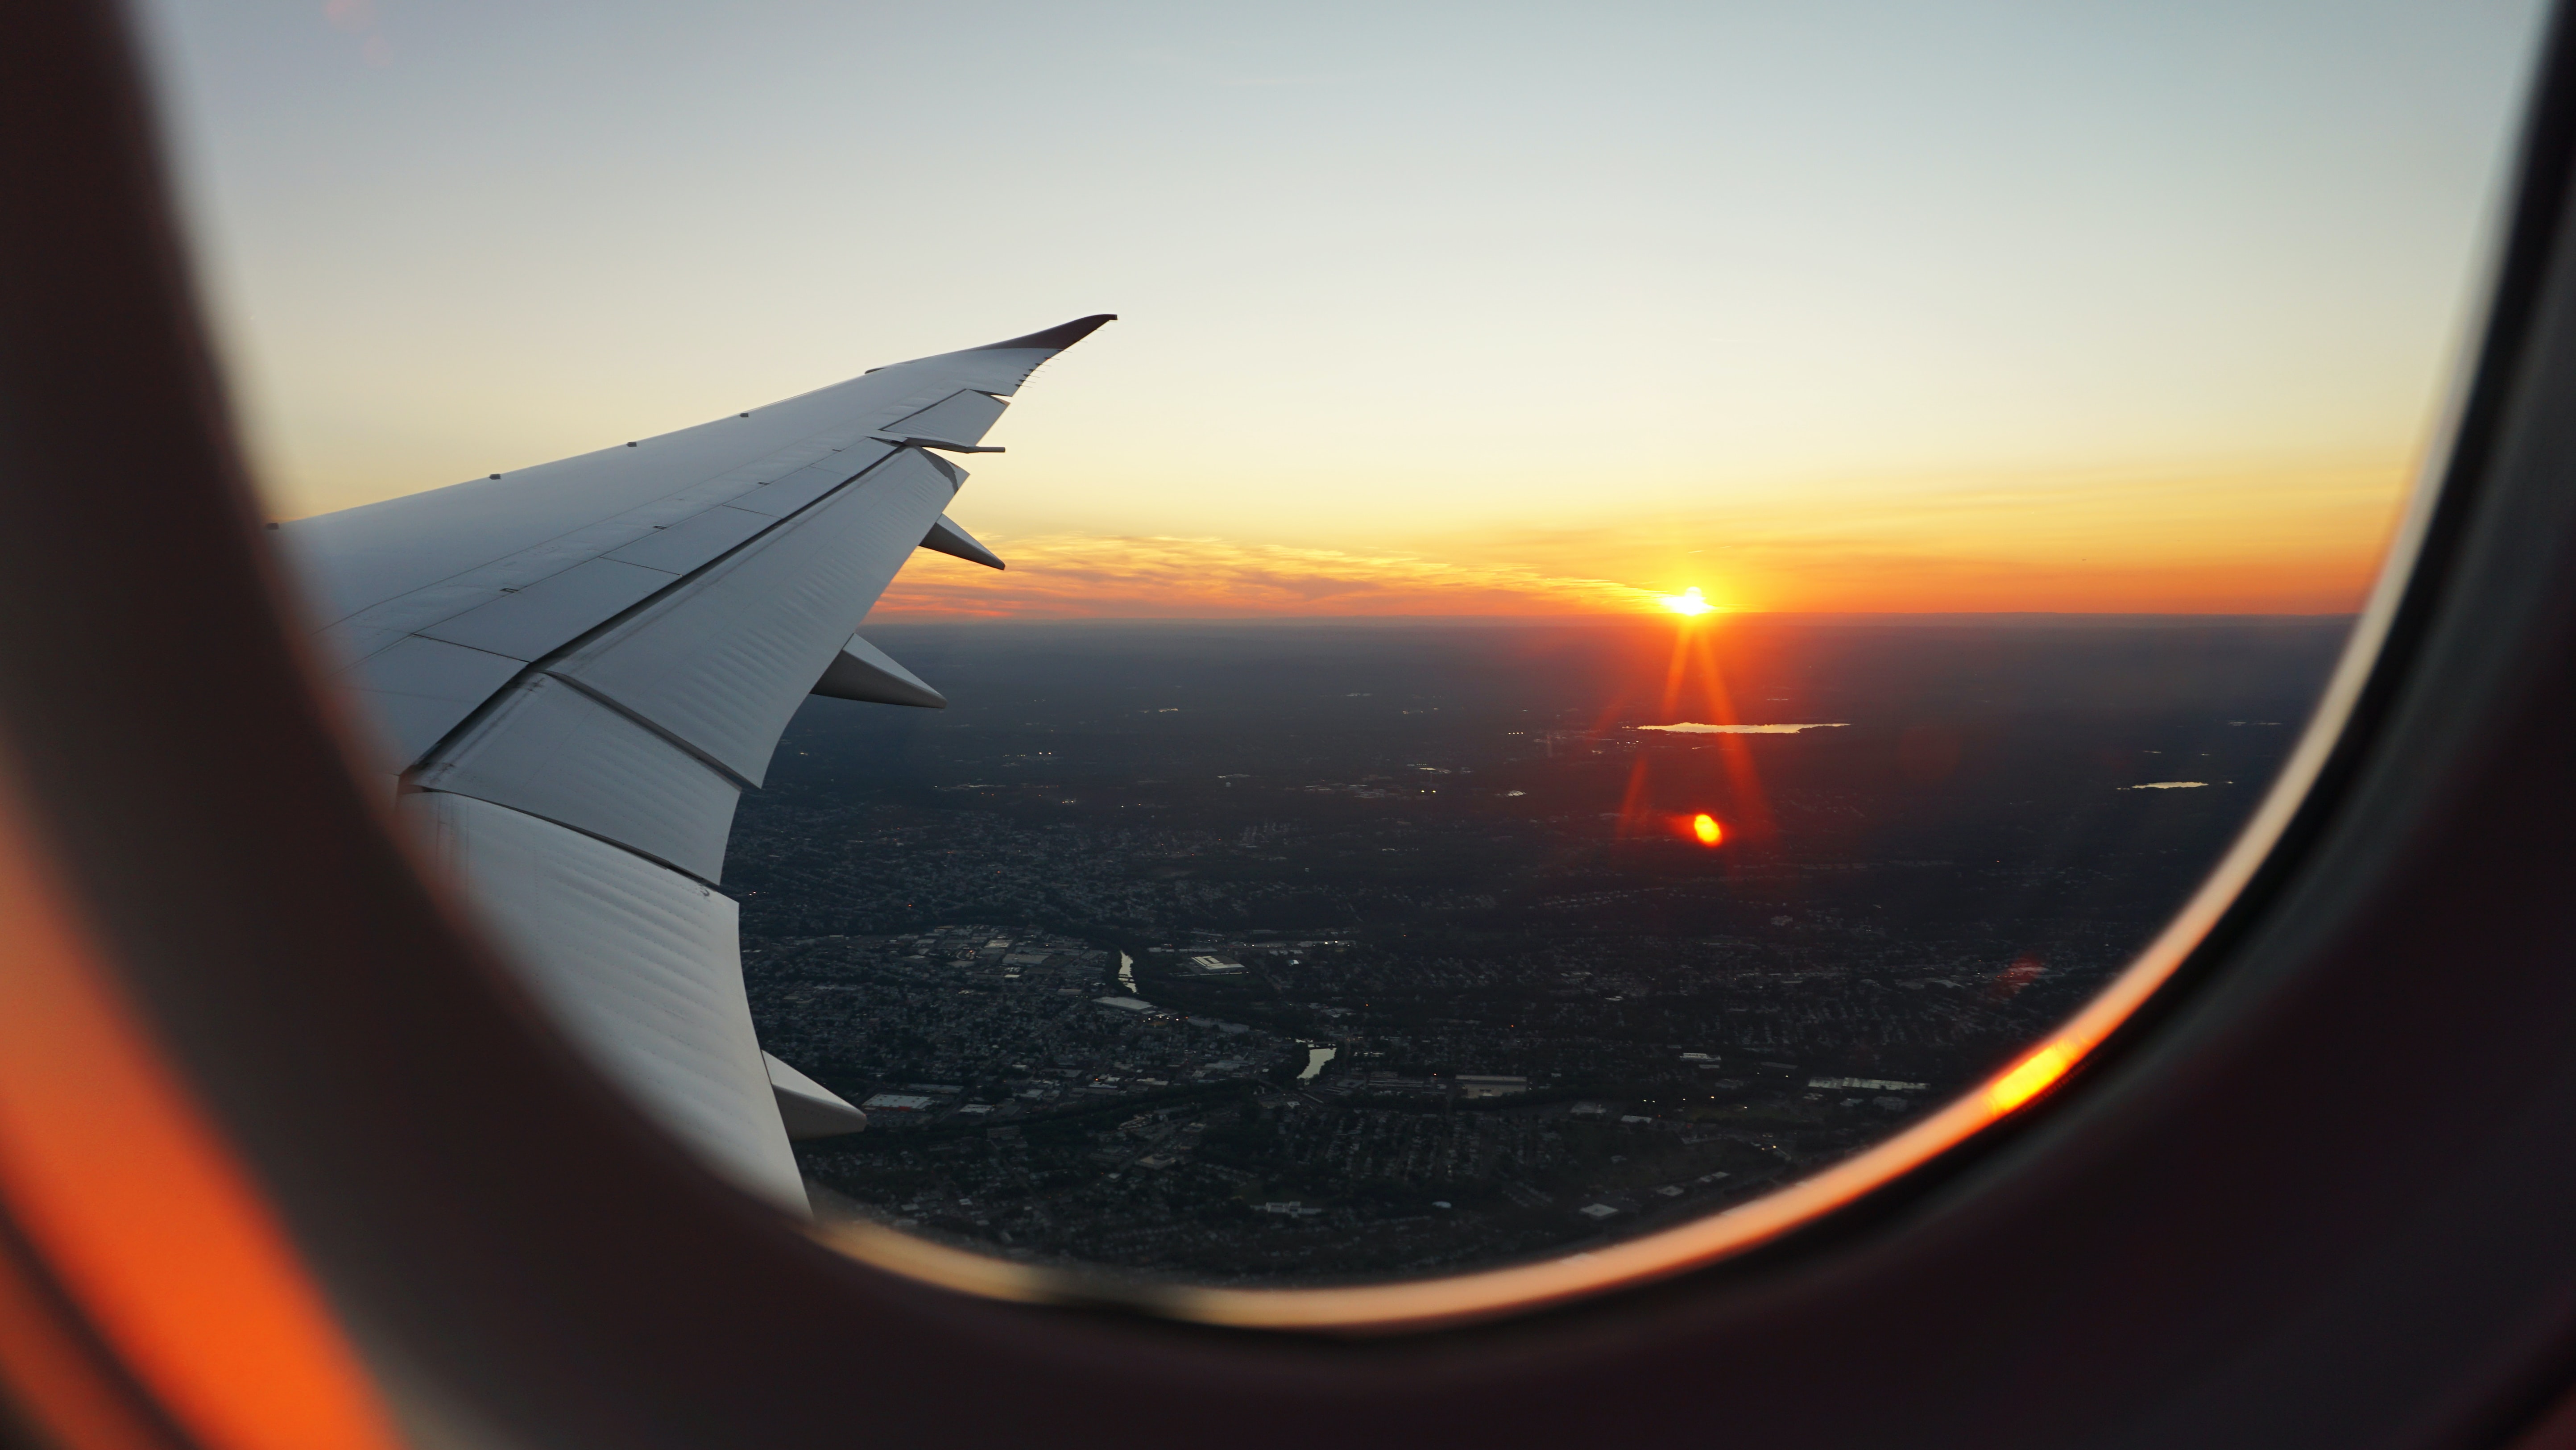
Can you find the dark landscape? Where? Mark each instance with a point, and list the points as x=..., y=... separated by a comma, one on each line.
x=1414, y=960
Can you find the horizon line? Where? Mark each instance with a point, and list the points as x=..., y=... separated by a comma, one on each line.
x=1597, y=617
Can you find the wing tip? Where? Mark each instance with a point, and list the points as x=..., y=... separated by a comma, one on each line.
x=1060, y=336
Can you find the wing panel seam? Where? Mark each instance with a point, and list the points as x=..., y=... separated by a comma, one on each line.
x=578, y=831
x=544, y=664
x=660, y=733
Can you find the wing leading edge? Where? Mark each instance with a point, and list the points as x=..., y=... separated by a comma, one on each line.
x=579, y=667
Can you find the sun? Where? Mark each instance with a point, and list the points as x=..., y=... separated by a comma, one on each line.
x=1688, y=602
x=1706, y=828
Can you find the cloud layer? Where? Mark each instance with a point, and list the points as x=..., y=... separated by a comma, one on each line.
x=1068, y=575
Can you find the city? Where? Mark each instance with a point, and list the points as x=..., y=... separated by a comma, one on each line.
x=1442, y=987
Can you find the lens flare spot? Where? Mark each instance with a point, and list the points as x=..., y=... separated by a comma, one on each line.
x=1688, y=601
x=2029, y=1077
x=1705, y=828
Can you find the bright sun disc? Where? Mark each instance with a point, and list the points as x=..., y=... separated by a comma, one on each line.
x=1688, y=602
x=1705, y=827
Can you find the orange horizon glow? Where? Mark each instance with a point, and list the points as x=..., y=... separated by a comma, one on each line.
x=2308, y=546
x=1097, y=577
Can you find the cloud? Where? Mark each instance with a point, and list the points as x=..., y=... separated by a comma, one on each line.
x=1070, y=575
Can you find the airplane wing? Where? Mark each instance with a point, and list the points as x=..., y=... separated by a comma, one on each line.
x=579, y=667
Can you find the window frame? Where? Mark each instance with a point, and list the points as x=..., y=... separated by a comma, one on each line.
x=2198, y=1236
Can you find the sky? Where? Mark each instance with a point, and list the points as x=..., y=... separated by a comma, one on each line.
x=1866, y=305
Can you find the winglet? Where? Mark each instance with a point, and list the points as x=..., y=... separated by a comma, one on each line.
x=1058, y=337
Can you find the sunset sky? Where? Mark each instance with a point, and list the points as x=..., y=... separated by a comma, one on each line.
x=1427, y=308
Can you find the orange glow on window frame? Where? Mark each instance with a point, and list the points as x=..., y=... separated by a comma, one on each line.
x=2030, y=1077
x=156, y=1235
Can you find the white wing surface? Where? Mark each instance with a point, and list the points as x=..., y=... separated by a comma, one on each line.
x=579, y=667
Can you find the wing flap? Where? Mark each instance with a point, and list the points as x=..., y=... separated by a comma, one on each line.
x=552, y=751
x=640, y=967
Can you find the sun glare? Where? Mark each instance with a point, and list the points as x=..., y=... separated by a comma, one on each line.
x=1688, y=602
x=1705, y=827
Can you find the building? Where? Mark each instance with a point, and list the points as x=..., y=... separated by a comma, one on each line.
x=1867, y=1084
x=1216, y=967
x=1472, y=1085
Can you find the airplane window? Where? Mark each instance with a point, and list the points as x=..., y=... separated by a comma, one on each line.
x=1646, y=606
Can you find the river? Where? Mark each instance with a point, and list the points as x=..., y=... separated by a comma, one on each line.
x=1316, y=1053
